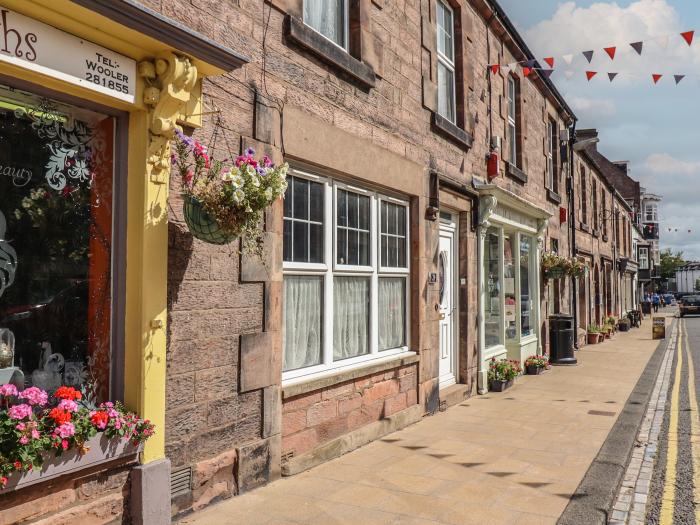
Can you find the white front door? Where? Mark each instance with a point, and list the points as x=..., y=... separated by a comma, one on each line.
x=448, y=305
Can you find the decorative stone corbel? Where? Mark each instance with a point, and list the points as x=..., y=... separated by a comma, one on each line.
x=487, y=205
x=541, y=230
x=170, y=80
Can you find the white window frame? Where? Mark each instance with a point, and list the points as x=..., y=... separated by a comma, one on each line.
x=447, y=62
x=550, y=155
x=512, y=124
x=643, y=258
x=328, y=271
x=651, y=212
x=345, y=46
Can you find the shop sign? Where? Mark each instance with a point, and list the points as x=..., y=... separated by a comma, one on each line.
x=514, y=216
x=44, y=49
x=659, y=328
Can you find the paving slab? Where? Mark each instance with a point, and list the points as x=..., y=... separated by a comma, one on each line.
x=511, y=457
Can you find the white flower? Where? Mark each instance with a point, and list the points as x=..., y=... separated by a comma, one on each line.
x=268, y=194
x=228, y=175
x=238, y=196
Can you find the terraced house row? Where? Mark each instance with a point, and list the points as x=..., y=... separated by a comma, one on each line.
x=424, y=189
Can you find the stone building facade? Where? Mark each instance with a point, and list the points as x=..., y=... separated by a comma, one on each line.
x=399, y=263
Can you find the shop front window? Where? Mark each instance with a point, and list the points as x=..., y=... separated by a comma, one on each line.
x=526, y=320
x=492, y=274
x=511, y=310
x=56, y=222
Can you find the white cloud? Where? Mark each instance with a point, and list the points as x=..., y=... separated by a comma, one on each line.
x=595, y=109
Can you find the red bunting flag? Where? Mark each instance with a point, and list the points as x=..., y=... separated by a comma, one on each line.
x=527, y=71
x=550, y=61
x=611, y=52
x=656, y=77
x=688, y=37
x=590, y=74
x=495, y=68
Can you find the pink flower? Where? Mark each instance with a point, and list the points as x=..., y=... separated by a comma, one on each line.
x=35, y=434
x=65, y=430
x=8, y=390
x=267, y=162
x=34, y=396
x=24, y=440
x=64, y=444
x=19, y=411
x=21, y=427
x=69, y=405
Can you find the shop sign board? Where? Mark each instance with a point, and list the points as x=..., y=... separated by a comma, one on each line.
x=659, y=328
x=33, y=45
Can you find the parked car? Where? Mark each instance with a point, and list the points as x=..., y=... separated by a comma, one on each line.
x=669, y=299
x=690, y=304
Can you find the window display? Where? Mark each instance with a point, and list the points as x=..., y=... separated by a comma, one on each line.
x=56, y=170
x=526, y=321
x=509, y=286
x=492, y=273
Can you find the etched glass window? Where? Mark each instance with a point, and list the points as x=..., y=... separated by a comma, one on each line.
x=56, y=230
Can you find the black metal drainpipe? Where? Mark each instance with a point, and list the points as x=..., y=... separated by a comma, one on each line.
x=572, y=221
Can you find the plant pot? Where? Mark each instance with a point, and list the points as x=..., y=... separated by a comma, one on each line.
x=534, y=370
x=496, y=385
x=101, y=450
x=593, y=339
x=554, y=273
x=624, y=327
x=202, y=225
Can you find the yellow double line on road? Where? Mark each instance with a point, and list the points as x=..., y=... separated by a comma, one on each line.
x=669, y=494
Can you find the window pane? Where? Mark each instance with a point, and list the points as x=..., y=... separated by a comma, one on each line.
x=303, y=327
x=300, y=243
x=342, y=208
x=56, y=205
x=342, y=246
x=364, y=217
x=445, y=30
x=351, y=312
x=316, y=243
x=363, y=255
x=287, y=241
x=402, y=253
x=353, y=209
x=526, y=323
x=513, y=144
x=327, y=17
x=509, y=285
x=392, y=305
x=446, y=92
x=391, y=226
x=492, y=308
x=401, y=220
x=393, y=252
x=301, y=198
x=316, y=200
x=353, y=247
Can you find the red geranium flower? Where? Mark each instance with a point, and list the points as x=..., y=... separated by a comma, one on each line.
x=17, y=465
x=67, y=392
x=100, y=419
x=60, y=416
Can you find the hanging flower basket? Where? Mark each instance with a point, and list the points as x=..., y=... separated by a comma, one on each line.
x=202, y=225
x=225, y=199
x=555, y=273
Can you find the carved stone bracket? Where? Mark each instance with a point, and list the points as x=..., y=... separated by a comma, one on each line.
x=170, y=80
x=541, y=229
x=487, y=205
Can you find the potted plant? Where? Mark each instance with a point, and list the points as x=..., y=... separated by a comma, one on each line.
x=593, y=334
x=536, y=364
x=224, y=200
x=44, y=435
x=624, y=325
x=502, y=374
x=554, y=266
x=607, y=331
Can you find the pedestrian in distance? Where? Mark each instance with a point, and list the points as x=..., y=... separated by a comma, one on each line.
x=655, y=301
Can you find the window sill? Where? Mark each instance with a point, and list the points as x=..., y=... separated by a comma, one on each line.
x=304, y=36
x=553, y=197
x=605, y=238
x=595, y=233
x=584, y=227
x=450, y=131
x=516, y=173
x=297, y=387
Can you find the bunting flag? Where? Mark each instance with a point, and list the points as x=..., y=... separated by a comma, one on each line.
x=546, y=72
x=590, y=74
x=611, y=52
x=527, y=71
x=637, y=46
x=588, y=55
x=612, y=76
x=656, y=77
x=688, y=37
x=568, y=59
x=678, y=78
x=495, y=68
x=569, y=74
x=549, y=61
x=530, y=64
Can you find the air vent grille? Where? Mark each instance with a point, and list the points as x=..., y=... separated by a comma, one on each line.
x=180, y=481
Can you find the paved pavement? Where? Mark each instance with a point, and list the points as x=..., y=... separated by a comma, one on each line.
x=512, y=458
x=674, y=495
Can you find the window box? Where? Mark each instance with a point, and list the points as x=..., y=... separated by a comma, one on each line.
x=553, y=196
x=102, y=450
x=452, y=132
x=325, y=49
x=516, y=173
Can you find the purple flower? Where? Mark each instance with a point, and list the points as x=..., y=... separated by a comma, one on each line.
x=267, y=162
x=188, y=141
x=250, y=152
x=261, y=171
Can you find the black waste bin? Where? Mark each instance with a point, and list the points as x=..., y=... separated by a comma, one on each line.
x=561, y=340
x=646, y=307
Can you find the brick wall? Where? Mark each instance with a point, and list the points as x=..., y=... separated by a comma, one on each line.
x=314, y=418
x=95, y=496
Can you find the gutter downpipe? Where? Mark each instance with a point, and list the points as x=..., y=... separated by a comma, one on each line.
x=572, y=220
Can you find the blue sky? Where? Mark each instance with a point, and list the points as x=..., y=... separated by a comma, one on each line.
x=654, y=127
